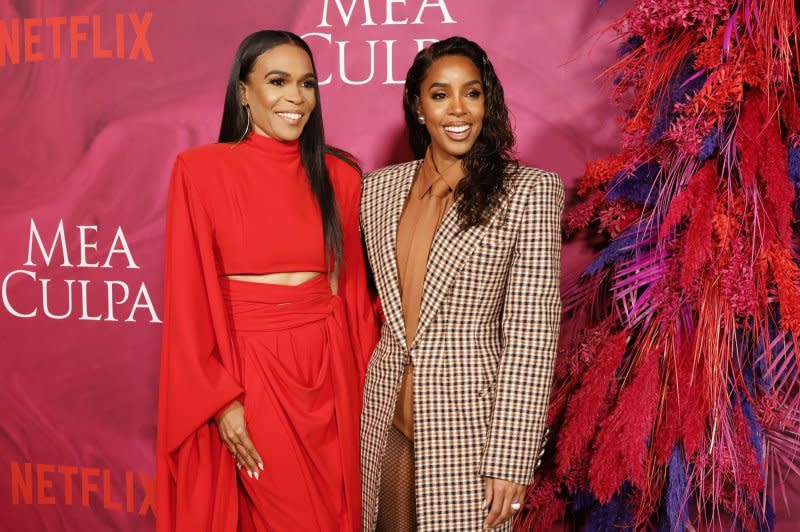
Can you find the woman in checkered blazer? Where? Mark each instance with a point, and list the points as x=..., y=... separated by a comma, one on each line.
x=464, y=244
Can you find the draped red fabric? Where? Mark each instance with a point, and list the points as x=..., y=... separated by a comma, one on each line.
x=249, y=209
x=300, y=382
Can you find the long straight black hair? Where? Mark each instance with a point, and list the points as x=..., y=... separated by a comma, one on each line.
x=312, y=139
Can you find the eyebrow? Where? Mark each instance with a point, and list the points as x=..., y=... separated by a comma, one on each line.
x=286, y=74
x=445, y=85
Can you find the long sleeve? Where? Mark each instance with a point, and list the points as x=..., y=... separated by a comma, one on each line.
x=359, y=302
x=530, y=324
x=196, y=379
x=360, y=331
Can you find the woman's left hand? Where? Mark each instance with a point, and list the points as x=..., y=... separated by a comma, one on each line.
x=498, y=496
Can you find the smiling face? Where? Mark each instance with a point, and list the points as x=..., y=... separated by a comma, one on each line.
x=280, y=92
x=451, y=100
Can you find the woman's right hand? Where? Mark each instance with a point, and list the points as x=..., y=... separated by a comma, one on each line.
x=233, y=431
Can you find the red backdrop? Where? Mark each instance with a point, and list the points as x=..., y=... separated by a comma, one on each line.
x=98, y=97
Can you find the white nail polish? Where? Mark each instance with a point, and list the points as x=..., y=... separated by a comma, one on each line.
x=256, y=475
x=249, y=473
x=261, y=466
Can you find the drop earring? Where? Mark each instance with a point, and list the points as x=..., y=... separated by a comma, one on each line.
x=421, y=119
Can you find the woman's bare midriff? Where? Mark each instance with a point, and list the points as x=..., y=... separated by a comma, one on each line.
x=283, y=278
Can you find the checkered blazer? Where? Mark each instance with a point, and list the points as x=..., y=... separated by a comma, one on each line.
x=483, y=352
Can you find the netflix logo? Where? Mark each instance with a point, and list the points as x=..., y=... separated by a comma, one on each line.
x=68, y=485
x=123, y=36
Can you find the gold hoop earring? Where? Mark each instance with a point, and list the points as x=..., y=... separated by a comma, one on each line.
x=247, y=127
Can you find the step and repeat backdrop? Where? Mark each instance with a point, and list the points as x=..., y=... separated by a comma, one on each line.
x=100, y=96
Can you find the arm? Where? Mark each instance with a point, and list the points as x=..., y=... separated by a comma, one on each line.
x=194, y=382
x=353, y=281
x=195, y=385
x=531, y=322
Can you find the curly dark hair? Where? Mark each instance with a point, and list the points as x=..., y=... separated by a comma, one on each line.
x=489, y=162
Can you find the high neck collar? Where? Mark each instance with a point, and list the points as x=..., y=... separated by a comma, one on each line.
x=273, y=146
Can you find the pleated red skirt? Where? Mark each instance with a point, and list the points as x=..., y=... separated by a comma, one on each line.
x=301, y=402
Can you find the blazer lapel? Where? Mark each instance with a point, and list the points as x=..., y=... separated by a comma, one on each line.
x=392, y=305
x=449, y=252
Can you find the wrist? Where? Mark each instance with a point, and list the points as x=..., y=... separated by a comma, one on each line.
x=221, y=412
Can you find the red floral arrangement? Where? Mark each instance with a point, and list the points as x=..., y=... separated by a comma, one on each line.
x=679, y=404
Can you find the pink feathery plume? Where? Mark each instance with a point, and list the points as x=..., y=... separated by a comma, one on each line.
x=787, y=280
x=698, y=246
x=699, y=189
x=778, y=191
x=588, y=402
x=544, y=507
x=620, y=449
x=748, y=142
x=582, y=215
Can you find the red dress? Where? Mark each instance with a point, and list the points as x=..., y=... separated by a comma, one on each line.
x=295, y=356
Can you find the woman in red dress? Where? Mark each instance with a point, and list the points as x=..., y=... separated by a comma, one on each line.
x=268, y=321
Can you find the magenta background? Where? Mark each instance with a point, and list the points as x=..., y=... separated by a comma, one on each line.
x=91, y=141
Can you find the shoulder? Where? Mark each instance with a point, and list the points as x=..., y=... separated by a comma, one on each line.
x=209, y=153
x=390, y=173
x=345, y=178
x=346, y=182
x=199, y=164
x=393, y=170
x=526, y=181
x=526, y=177
x=342, y=172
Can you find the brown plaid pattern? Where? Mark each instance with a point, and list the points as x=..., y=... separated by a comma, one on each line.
x=483, y=352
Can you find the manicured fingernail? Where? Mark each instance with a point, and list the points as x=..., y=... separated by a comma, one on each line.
x=238, y=465
x=261, y=466
x=249, y=473
x=256, y=475
x=483, y=504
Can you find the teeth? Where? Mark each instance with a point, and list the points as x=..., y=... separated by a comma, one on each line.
x=291, y=116
x=457, y=129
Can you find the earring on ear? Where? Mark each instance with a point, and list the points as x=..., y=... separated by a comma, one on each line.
x=421, y=119
x=247, y=127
